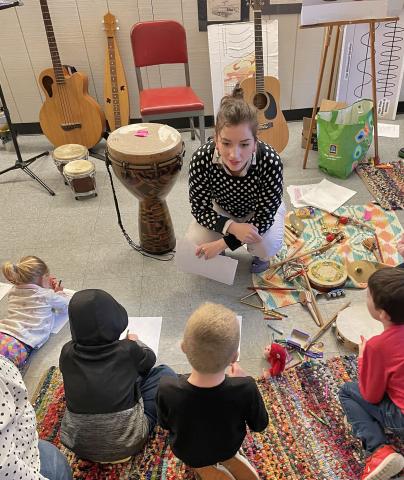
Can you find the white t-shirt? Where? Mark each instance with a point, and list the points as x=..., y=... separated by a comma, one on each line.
x=30, y=314
x=19, y=454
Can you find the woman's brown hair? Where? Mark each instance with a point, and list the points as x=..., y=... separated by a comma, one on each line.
x=234, y=110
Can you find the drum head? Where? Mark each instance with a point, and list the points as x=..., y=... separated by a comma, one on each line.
x=79, y=167
x=326, y=274
x=71, y=151
x=144, y=144
x=354, y=321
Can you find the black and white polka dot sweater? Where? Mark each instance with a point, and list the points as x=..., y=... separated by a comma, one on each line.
x=19, y=454
x=258, y=192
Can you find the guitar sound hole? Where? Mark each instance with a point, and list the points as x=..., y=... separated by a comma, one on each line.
x=47, y=82
x=260, y=101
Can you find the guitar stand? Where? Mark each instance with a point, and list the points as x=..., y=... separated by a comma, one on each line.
x=20, y=163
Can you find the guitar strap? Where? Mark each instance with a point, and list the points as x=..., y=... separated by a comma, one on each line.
x=165, y=257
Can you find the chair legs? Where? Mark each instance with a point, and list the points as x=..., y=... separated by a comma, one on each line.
x=202, y=128
x=192, y=125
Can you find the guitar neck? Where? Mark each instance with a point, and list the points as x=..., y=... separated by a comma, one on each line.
x=114, y=82
x=259, y=62
x=57, y=65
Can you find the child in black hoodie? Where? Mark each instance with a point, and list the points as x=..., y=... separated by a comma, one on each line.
x=110, y=385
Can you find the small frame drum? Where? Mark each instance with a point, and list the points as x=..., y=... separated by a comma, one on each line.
x=354, y=321
x=325, y=275
x=81, y=177
x=66, y=153
x=147, y=159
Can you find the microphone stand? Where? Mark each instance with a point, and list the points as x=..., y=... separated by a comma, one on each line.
x=19, y=163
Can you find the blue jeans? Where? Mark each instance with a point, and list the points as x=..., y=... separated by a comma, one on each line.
x=54, y=465
x=369, y=420
x=148, y=386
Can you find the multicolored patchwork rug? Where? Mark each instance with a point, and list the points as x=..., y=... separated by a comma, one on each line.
x=295, y=445
x=388, y=230
x=386, y=185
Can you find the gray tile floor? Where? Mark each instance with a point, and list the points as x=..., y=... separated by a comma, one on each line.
x=82, y=244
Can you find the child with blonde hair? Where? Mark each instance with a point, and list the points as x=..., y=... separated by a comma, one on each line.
x=31, y=302
x=207, y=411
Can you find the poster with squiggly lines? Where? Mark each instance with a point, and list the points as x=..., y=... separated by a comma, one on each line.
x=355, y=79
x=232, y=56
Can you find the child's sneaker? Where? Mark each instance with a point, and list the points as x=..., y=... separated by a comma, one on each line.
x=258, y=265
x=213, y=472
x=241, y=468
x=383, y=464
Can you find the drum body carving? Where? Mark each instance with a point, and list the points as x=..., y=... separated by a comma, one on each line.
x=147, y=159
x=355, y=321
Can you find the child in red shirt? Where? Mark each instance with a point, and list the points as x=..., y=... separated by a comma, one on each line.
x=376, y=402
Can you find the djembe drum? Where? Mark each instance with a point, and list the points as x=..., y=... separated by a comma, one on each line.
x=147, y=159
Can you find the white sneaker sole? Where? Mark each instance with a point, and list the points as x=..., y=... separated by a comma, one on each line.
x=391, y=465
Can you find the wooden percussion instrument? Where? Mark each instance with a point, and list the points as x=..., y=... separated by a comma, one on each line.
x=81, y=177
x=355, y=321
x=66, y=153
x=325, y=275
x=147, y=159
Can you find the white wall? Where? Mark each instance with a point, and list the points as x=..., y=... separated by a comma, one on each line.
x=24, y=51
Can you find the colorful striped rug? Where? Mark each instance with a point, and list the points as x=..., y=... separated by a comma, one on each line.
x=295, y=446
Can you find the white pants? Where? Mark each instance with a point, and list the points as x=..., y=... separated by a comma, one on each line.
x=269, y=246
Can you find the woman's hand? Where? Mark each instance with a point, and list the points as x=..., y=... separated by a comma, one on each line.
x=210, y=249
x=245, y=232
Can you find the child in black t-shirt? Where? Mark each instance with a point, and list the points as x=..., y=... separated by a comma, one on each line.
x=207, y=411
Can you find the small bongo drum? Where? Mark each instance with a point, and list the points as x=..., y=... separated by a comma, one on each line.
x=354, y=321
x=147, y=159
x=66, y=153
x=80, y=175
x=324, y=275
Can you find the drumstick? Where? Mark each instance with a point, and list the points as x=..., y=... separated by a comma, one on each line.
x=324, y=328
x=381, y=260
x=289, y=255
x=304, y=300
x=315, y=305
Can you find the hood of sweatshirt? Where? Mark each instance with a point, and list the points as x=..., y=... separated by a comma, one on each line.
x=96, y=318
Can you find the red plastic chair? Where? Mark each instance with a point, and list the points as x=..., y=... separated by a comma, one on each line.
x=164, y=42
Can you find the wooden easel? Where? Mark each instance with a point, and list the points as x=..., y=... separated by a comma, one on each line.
x=329, y=26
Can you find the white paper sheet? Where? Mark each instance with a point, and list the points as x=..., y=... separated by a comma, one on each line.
x=61, y=317
x=4, y=289
x=296, y=193
x=220, y=268
x=388, y=130
x=325, y=195
x=148, y=329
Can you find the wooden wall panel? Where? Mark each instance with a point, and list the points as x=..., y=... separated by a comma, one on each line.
x=8, y=94
x=81, y=40
x=17, y=67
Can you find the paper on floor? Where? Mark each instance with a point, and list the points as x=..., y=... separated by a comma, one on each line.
x=60, y=318
x=220, y=268
x=325, y=195
x=148, y=330
x=388, y=130
x=4, y=289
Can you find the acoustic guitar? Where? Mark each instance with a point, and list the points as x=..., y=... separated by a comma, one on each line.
x=69, y=114
x=264, y=93
x=116, y=96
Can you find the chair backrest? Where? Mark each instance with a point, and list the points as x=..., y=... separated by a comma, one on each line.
x=159, y=42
